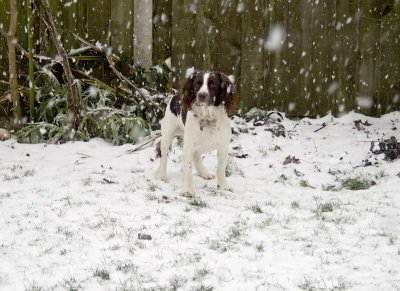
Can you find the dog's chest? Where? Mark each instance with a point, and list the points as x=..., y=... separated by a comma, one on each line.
x=210, y=135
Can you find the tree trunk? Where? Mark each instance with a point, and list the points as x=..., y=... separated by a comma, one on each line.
x=11, y=41
x=143, y=36
x=31, y=62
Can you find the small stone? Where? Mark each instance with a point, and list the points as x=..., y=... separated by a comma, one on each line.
x=144, y=236
x=164, y=199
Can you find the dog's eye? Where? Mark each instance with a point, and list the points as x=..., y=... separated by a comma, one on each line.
x=197, y=84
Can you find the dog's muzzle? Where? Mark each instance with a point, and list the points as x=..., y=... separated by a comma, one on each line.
x=203, y=99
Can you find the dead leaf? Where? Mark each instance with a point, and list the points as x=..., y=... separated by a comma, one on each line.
x=242, y=156
x=289, y=159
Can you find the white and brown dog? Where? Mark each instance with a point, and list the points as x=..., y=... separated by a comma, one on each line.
x=199, y=114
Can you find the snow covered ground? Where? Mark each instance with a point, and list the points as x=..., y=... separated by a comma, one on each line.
x=71, y=214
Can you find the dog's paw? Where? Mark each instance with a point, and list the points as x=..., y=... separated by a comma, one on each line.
x=187, y=194
x=206, y=176
x=160, y=176
x=225, y=188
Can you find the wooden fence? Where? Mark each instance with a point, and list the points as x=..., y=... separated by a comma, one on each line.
x=332, y=51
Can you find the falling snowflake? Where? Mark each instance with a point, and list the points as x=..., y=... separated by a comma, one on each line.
x=276, y=38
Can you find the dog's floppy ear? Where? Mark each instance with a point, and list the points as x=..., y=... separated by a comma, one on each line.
x=227, y=91
x=188, y=92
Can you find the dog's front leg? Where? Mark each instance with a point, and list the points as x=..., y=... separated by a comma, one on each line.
x=188, y=153
x=222, y=155
x=187, y=173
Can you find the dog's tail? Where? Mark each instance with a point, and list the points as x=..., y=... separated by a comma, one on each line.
x=158, y=150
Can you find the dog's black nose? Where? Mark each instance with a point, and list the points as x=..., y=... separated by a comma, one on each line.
x=202, y=97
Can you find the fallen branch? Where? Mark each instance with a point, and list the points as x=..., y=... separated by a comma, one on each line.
x=55, y=139
x=111, y=58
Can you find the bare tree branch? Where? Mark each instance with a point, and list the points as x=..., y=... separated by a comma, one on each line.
x=74, y=101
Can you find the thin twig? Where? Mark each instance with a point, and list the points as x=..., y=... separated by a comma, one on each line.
x=142, y=144
x=315, y=146
x=323, y=126
x=24, y=52
x=6, y=96
x=94, y=80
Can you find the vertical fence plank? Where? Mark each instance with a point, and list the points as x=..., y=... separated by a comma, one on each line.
x=293, y=67
x=22, y=34
x=122, y=29
x=70, y=24
x=201, y=38
x=98, y=16
x=252, y=56
x=369, y=37
x=276, y=71
x=211, y=21
x=387, y=84
x=225, y=55
x=299, y=29
x=225, y=46
x=67, y=20
x=183, y=42
x=162, y=21
x=81, y=19
x=98, y=20
x=57, y=10
x=320, y=58
x=389, y=78
x=345, y=58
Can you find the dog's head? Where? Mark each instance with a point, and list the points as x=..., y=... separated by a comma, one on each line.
x=208, y=89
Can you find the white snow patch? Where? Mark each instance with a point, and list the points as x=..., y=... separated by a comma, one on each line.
x=189, y=72
x=168, y=63
x=72, y=209
x=93, y=91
